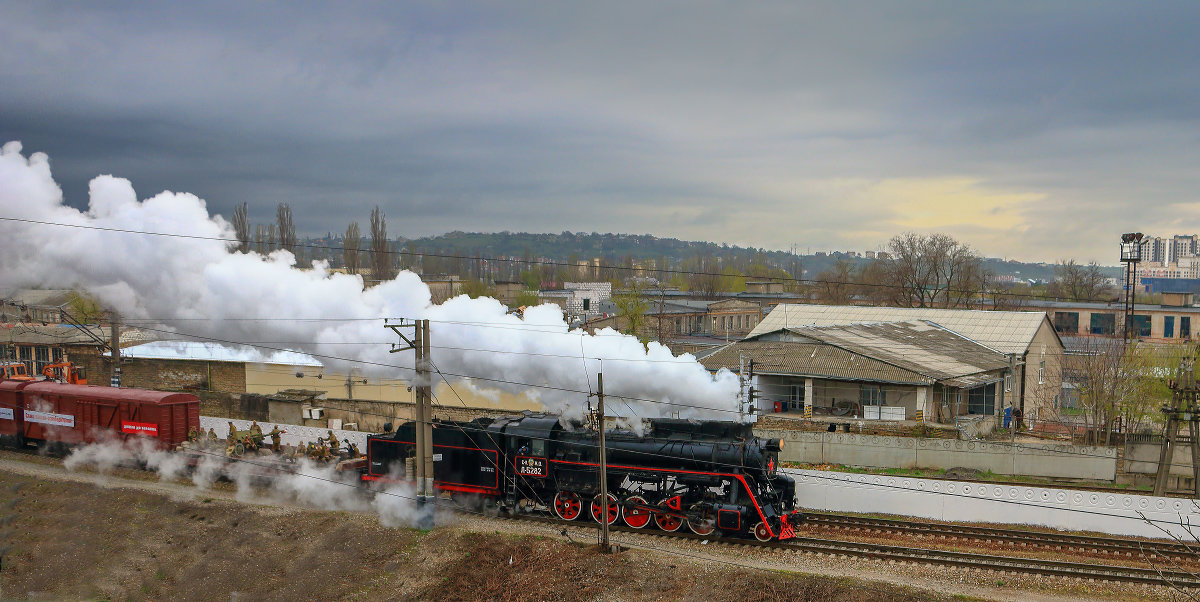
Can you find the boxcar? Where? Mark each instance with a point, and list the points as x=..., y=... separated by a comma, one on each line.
x=52, y=412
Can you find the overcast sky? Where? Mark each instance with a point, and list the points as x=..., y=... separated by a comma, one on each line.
x=1030, y=130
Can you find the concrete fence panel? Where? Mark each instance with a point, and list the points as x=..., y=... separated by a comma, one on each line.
x=1043, y=460
x=960, y=501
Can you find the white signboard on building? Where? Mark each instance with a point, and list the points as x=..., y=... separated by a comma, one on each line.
x=6, y=414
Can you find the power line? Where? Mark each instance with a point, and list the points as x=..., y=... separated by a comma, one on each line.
x=547, y=262
x=553, y=528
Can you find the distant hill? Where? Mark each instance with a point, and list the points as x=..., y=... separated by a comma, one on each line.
x=615, y=247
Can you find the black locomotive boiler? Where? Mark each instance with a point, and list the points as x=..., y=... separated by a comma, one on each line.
x=710, y=476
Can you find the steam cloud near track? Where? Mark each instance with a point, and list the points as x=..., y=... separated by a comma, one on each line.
x=199, y=287
x=304, y=483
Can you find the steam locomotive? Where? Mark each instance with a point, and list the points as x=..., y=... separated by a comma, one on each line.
x=710, y=476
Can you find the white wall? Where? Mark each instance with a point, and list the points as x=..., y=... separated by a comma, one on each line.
x=959, y=501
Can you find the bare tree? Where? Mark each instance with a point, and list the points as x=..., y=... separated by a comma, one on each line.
x=381, y=256
x=705, y=279
x=241, y=227
x=287, y=229
x=260, y=240
x=272, y=241
x=350, y=246
x=1117, y=383
x=835, y=285
x=1078, y=282
x=932, y=271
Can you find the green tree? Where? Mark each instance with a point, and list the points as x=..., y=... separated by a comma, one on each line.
x=85, y=310
x=476, y=288
x=631, y=311
x=526, y=299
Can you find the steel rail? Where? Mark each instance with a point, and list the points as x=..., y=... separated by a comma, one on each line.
x=1111, y=545
x=989, y=562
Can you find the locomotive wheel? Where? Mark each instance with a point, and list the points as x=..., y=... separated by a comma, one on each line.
x=761, y=532
x=667, y=522
x=704, y=525
x=634, y=513
x=567, y=505
x=614, y=509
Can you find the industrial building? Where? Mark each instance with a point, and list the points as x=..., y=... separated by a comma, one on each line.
x=1026, y=339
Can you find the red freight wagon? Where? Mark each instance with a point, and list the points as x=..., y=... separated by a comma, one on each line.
x=10, y=408
x=55, y=412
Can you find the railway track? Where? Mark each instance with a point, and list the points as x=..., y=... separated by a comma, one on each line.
x=1016, y=537
x=998, y=563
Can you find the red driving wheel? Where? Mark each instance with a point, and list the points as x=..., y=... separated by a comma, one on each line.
x=613, y=513
x=567, y=505
x=635, y=512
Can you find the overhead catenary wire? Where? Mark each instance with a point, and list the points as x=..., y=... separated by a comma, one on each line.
x=563, y=389
x=970, y=292
x=503, y=381
x=551, y=528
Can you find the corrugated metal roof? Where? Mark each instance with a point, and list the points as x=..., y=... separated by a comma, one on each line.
x=215, y=352
x=1004, y=331
x=36, y=334
x=39, y=297
x=809, y=359
x=911, y=352
x=917, y=345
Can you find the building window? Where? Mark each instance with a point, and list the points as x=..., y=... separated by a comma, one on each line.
x=1140, y=325
x=1066, y=322
x=41, y=357
x=1103, y=323
x=982, y=400
x=1169, y=327
x=1185, y=327
x=25, y=355
x=587, y=306
x=1042, y=372
x=871, y=395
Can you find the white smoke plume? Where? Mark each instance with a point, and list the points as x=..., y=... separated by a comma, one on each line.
x=262, y=479
x=136, y=452
x=170, y=279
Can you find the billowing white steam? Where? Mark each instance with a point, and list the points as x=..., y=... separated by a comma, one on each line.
x=262, y=479
x=137, y=452
x=168, y=278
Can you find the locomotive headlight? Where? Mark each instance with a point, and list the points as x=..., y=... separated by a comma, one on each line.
x=774, y=445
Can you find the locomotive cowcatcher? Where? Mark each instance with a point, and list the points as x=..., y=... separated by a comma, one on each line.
x=710, y=476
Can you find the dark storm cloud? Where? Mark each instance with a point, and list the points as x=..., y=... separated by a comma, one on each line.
x=827, y=124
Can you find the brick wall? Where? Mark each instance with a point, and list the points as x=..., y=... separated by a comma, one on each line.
x=187, y=375
x=165, y=375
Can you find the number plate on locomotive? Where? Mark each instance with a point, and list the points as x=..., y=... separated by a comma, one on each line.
x=531, y=467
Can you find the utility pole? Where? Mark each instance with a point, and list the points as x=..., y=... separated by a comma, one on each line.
x=115, y=344
x=1184, y=395
x=604, y=546
x=423, y=435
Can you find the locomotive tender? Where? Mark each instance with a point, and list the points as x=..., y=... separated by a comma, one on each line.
x=709, y=476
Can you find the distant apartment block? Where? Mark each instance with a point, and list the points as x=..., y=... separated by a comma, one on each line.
x=1170, y=264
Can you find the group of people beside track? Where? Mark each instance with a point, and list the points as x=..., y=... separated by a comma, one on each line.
x=238, y=444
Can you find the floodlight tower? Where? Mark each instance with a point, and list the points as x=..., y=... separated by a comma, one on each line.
x=1131, y=254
